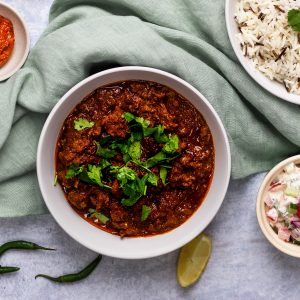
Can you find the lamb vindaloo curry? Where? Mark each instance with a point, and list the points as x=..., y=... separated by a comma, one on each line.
x=135, y=158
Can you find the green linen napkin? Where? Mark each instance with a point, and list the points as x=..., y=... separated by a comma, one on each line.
x=185, y=37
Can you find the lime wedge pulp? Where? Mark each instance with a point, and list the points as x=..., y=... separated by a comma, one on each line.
x=192, y=260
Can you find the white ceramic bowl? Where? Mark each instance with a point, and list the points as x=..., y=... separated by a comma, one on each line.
x=272, y=86
x=97, y=239
x=22, y=42
x=288, y=248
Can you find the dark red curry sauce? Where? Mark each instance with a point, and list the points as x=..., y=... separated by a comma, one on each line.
x=189, y=173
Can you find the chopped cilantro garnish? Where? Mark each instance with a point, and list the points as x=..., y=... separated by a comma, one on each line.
x=172, y=145
x=128, y=116
x=136, y=136
x=156, y=159
x=120, y=144
x=163, y=174
x=98, y=215
x=138, y=126
x=132, y=186
x=105, y=140
x=92, y=176
x=153, y=179
x=146, y=210
x=73, y=171
x=104, y=163
x=139, y=120
x=123, y=174
x=95, y=175
x=105, y=152
x=294, y=19
x=166, y=165
x=159, y=134
x=149, y=131
x=81, y=124
x=134, y=150
x=130, y=201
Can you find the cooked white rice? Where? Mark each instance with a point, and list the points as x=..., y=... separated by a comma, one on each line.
x=269, y=41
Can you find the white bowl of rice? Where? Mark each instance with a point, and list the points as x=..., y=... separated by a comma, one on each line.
x=266, y=46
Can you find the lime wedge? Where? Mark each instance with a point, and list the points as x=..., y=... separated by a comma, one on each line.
x=192, y=260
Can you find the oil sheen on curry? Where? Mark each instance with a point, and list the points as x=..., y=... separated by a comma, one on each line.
x=135, y=158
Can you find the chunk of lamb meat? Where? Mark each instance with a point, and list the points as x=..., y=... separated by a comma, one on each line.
x=115, y=188
x=78, y=199
x=102, y=197
x=96, y=129
x=119, y=217
x=194, y=156
x=115, y=124
x=167, y=119
x=178, y=175
x=149, y=147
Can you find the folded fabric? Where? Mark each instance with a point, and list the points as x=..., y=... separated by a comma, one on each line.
x=185, y=37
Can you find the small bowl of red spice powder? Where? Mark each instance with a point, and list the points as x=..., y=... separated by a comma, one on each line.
x=14, y=41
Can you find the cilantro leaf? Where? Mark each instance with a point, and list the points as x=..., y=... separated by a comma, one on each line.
x=132, y=186
x=138, y=125
x=123, y=174
x=128, y=116
x=131, y=201
x=130, y=189
x=154, y=160
x=73, y=171
x=144, y=123
x=135, y=150
x=146, y=210
x=149, y=131
x=105, y=152
x=98, y=215
x=126, y=158
x=84, y=177
x=142, y=184
x=104, y=163
x=136, y=136
x=81, y=124
x=93, y=176
x=120, y=144
x=294, y=19
x=153, y=179
x=158, y=158
x=159, y=135
x=172, y=145
x=105, y=140
x=168, y=166
x=163, y=172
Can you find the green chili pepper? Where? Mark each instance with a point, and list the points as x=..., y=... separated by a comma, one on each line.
x=77, y=276
x=21, y=245
x=4, y=270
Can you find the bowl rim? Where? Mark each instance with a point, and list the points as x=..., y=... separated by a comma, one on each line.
x=246, y=63
x=183, y=240
x=27, y=42
x=285, y=247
